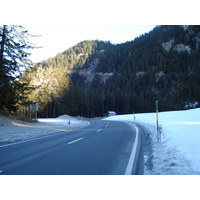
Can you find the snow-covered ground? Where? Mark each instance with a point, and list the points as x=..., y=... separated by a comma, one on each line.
x=15, y=130
x=179, y=151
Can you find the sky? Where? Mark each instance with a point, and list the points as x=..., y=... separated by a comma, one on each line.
x=95, y=18
x=57, y=38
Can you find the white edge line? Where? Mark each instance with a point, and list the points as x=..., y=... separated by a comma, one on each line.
x=99, y=130
x=75, y=141
x=133, y=153
x=41, y=137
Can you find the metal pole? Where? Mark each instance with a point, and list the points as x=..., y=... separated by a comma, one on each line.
x=158, y=136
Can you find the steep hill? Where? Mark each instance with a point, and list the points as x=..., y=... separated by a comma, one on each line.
x=95, y=76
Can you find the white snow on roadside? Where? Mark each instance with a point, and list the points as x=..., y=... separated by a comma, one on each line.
x=14, y=130
x=179, y=151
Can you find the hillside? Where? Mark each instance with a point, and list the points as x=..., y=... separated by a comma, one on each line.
x=95, y=76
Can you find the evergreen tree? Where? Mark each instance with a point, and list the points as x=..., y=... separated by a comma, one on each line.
x=14, y=59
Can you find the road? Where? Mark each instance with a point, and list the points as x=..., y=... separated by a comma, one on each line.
x=102, y=148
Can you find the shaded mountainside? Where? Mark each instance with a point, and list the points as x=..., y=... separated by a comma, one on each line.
x=95, y=76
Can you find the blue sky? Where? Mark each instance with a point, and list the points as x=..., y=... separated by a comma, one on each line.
x=57, y=38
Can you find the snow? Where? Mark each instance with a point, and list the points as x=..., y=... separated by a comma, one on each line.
x=14, y=130
x=191, y=105
x=178, y=153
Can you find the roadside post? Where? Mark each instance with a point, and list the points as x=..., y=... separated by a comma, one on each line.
x=134, y=114
x=158, y=132
x=69, y=122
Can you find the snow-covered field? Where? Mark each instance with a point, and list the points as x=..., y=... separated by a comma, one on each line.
x=15, y=130
x=179, y=151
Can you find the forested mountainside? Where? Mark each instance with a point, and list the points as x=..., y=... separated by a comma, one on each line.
x=96, y=76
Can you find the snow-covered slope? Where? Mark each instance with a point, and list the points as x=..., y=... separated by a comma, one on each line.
x=14, y=130
x=179, y=150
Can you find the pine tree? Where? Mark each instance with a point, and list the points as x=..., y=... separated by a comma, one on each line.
x=14, y=59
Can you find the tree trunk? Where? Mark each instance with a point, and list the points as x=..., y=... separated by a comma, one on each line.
x=3, y=44
x=2, y=70
x=54, y=108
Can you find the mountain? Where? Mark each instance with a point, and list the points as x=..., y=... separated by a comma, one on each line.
x=96, y=76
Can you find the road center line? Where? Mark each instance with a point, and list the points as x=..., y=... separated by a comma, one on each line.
x=75, y=141
x=99, y=130
x=133, y=153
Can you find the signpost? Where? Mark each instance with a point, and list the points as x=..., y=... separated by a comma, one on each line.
x=34, y=107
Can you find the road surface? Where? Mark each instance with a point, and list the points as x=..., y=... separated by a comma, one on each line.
x=101, y=148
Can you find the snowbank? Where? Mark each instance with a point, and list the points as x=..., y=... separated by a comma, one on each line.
x=14, y=130
x=179, y=150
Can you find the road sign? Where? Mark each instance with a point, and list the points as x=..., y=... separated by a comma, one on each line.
x=34, y=106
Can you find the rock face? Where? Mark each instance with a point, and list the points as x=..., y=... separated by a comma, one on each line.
x=190, y=40
x=90, y=73
x=182, y=48
x=179, y=47
x=167, y=45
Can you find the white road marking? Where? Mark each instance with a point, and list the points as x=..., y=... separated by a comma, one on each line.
x=99, y=130
x=75, y=141
x=132, y=157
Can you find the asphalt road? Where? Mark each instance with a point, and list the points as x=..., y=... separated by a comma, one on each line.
x=102, y=148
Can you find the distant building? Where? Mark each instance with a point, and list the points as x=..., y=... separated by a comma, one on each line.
x=111, y=113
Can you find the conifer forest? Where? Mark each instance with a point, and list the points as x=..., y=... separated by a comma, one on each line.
x=93, y=77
